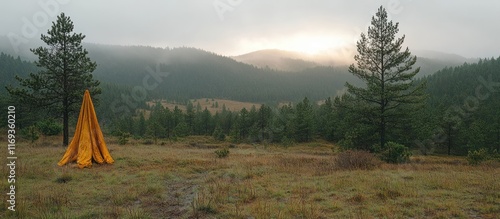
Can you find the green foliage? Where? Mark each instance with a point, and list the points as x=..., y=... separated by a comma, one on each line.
x=286, y=142
x=49, y=127
x=65, y=72
x=395, y=153
x=219, y=134
x=181, y=130
x=357, y=137
x=349, y=140
x=476, y=157
x=31, y=133
x=303, y=121
x=222, y=153
x=123, y=138
x=390, y=93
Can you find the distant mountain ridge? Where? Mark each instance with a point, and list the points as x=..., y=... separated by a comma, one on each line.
x=190, y=73
x=195, y=73
x=277, y=59
x=429, y=61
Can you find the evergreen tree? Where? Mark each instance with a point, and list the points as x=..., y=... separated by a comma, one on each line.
x=190, y=117
x=284, y=125
x=390, y=92
x=325, y=120
x=303, y=121
x=65, y=73
x=242, y=125
x=141, y=126
x=177, y=116
x=206, y=122
x=182, y=129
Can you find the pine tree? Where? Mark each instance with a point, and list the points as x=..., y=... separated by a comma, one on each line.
x=190, y=117
x=141, y=126
x=303, y=121
x=390, y=92
x=206, y=122
x=325, y=120
x=65, y=73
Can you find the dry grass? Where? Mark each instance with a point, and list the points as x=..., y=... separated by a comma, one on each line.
x=357, y=160
x=177, y=180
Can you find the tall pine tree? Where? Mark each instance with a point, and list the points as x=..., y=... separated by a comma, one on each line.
x=65, y=73
x=390, y=91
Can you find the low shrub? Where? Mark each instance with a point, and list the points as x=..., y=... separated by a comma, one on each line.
x=123, y=139
x=222, y=153
x=49, y=127
x=31, y=133
x=395, y=153
x=354, y=159
x=476, y=157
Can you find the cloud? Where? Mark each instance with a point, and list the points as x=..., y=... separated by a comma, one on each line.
x=463, y=27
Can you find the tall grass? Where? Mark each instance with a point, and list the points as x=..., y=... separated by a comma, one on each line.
x=302, y=181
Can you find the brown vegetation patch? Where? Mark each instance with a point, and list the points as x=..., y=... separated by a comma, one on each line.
x=357, y=160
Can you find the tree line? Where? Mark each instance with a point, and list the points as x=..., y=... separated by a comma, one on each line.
x=453, y=111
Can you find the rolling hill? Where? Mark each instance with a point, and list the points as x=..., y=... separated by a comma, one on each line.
x=429, y=61
x=189, y=73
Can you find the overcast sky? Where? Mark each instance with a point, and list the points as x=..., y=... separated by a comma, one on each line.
x=232, y=27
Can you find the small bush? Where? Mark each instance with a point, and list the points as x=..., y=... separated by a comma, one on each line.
x=477, y=156
x=352, y=160
x=49, y=127
x=123, y=139
x=31, y=133
x=395, y=153
x=222, y=153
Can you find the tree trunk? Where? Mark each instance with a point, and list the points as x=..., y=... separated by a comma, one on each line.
x=65, y=128
x=382, y=134
x=498, y=135
x=65, y=121
x=449, y=138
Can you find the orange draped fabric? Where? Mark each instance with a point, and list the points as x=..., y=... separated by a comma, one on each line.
x=88, y=142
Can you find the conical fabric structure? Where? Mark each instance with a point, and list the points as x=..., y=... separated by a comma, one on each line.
x=88, y=143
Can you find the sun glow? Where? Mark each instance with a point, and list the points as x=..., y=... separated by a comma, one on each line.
x=311, y=44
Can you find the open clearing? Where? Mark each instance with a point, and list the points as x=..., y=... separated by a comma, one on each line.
x=184, y=179
x=212, y=105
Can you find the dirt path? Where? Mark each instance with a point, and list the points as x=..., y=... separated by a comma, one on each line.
x=179, y=196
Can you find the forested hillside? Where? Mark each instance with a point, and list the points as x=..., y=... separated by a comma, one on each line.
x=194, y=73
x=461, y=112
x=10, y=67
x=464, y=106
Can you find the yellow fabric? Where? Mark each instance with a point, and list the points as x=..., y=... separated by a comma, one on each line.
x=88, y=142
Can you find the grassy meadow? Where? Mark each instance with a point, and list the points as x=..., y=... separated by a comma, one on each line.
x=185, y=179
